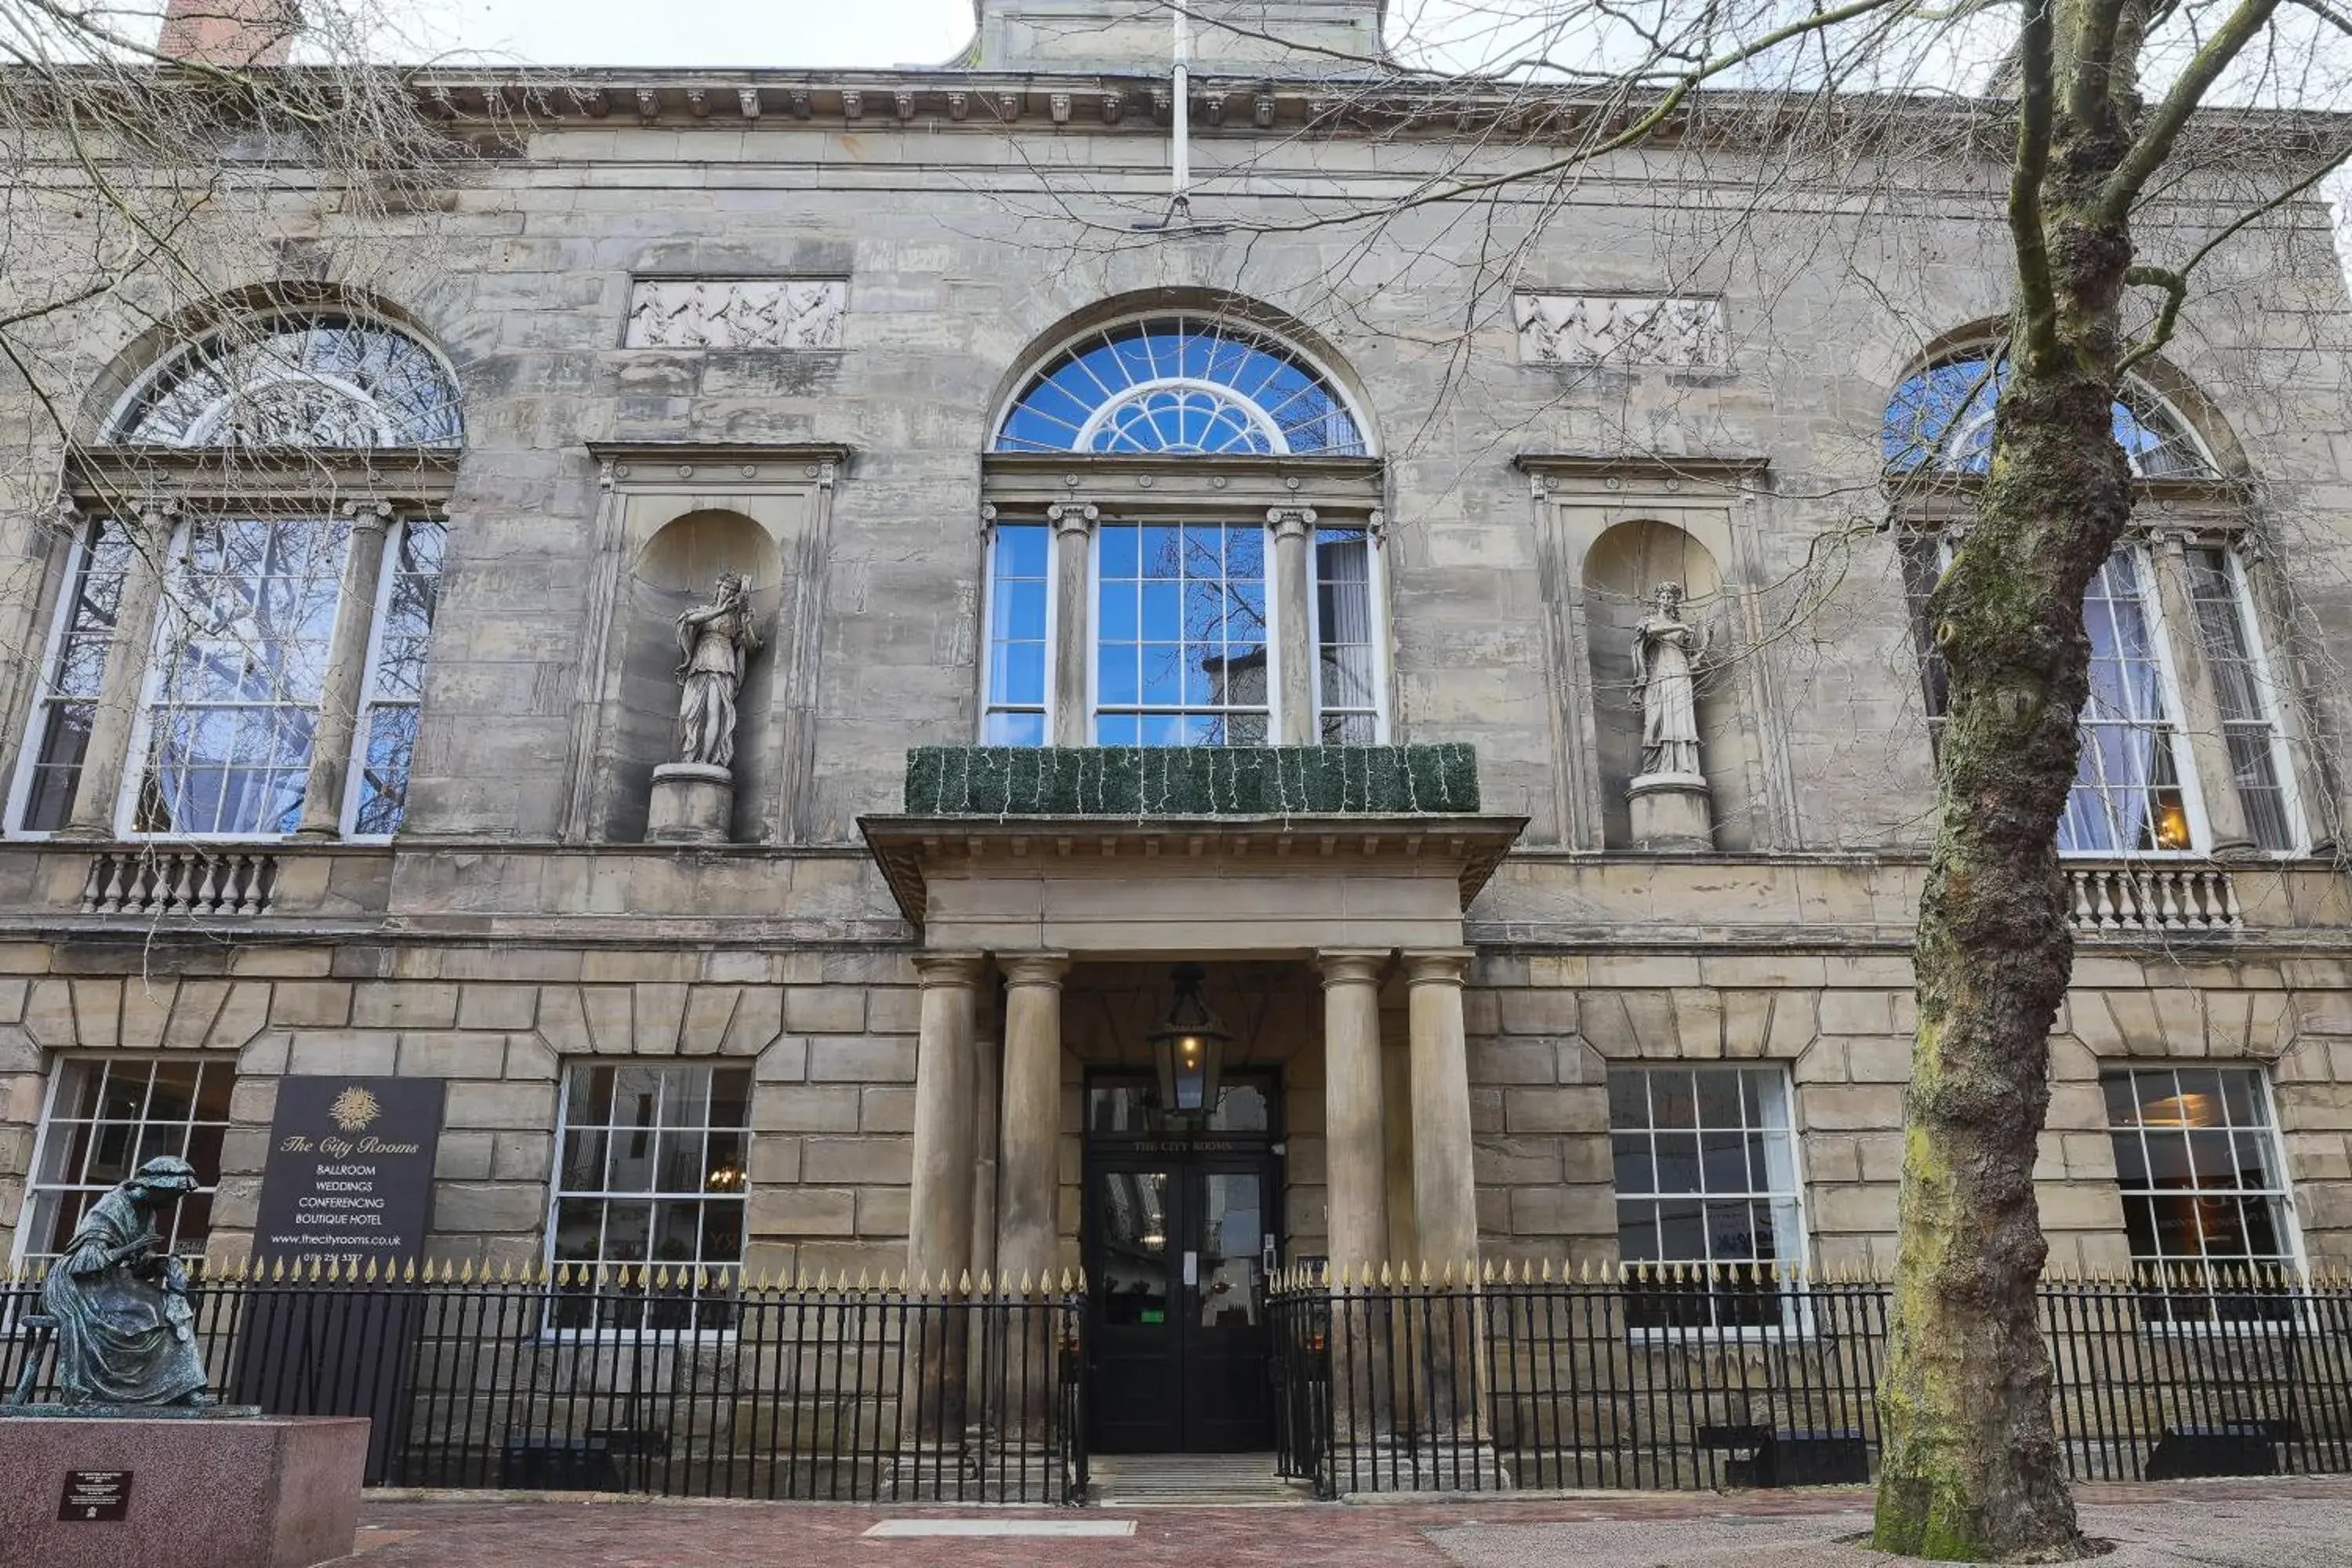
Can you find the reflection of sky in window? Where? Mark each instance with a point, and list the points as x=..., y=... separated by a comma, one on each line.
x=1182, y=640
x=316, y=382
x=1942, y=418
x=1179, y=385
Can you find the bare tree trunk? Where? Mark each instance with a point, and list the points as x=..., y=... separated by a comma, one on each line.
x=1971, y=1469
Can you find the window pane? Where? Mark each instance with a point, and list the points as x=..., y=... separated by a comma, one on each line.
x=107, y=1118
x=1014, y=709
x=1180, y=641
x=2226, y=634
x=1347, y=691
x=388, y=714
x=1725, y=1133
x=2197, y=1164
x=63, y=708
x=673, y=1139
x=247, y=626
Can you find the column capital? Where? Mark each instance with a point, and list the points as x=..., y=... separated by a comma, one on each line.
x=372, y=516
x=1352, y=965
x=159, y=513
x=1033, y=968
x=948, y=968
x=1290, y=522
x=1437, y=965
x=1072, y=516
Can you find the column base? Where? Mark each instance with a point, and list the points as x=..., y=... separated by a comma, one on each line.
x=1671, y=812
x=692, y=803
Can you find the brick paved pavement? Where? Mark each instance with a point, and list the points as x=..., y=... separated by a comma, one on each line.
x=2217, y=1524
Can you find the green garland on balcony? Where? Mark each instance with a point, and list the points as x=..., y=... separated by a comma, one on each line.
x=1190, y=781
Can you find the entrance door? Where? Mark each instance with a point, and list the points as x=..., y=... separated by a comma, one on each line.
x=1177, y=1264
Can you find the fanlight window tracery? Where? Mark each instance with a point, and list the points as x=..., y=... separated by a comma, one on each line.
x=1181, y=385
x=325, y=381
x=1940, y=420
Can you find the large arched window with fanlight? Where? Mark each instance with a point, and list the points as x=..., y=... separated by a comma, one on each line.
x=2185, y=743
x=253, y=584
x=1184, y=545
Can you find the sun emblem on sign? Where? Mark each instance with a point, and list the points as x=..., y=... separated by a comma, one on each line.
x=354, y=1109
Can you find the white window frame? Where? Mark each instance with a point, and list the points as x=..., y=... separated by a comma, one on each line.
x=364, y=705
x=69, y=593
x=1789, y=1273
x=556, y=1192
x=21, y=1251
x=1375, y=584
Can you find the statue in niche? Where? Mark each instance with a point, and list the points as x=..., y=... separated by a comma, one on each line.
x=1666, y=653
x=718, y=642
x=126, y=1332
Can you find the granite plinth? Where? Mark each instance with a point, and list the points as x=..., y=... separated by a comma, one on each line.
x=225, y=1492
x=131, y=1411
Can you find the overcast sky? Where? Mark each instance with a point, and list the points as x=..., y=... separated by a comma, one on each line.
x=709, y=32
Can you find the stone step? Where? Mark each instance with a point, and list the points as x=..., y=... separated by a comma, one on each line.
x=1222, y=1479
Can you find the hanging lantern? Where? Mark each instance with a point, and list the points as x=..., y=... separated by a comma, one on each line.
x=1189, y=1045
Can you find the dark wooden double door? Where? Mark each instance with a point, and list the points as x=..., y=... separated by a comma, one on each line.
x=1178, y=1248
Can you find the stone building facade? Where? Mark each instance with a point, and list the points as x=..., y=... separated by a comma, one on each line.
x=890, y=345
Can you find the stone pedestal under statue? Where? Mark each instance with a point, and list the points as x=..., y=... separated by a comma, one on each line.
x=133, y=1492
x=692, y=803
x=1671, y=812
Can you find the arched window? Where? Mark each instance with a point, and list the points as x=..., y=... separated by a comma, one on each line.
x=2183, y=735
x=313, y=380
x=1222, y=605
x=273, y=647
x=1181, y=385
x=1940, y=420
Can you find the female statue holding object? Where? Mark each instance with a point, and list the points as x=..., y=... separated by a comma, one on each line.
x=126, y=1333
x=717, y=640
x=1666, y=651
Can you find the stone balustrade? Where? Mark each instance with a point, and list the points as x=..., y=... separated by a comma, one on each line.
x=180, y=882
x=2154, y=898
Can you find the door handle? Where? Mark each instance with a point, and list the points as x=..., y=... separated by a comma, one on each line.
x=1191, y=1270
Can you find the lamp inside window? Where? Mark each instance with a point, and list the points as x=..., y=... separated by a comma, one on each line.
x=1189, y=1045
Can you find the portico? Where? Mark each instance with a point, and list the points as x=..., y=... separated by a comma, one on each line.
x=1047, y=939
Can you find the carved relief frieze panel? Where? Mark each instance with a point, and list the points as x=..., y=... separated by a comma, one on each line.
x=1678, y=331
x=737, y=313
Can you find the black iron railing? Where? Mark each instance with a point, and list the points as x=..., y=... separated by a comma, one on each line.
x=674, y=1382
x=1675, y=1379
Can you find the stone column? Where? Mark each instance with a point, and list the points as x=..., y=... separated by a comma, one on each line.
x=1352, y=1106
x=1028, y=1190
x=119, y=688
x=339, y=693
x=2201, y=702
x=1028, y=1158
x=1445, y=1185
x=1294, y=532
x=938, y=1218
x=1445, y=1191
x=1073, y=530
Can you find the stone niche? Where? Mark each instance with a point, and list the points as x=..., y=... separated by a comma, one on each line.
x=1620, y=567
x=673, y=519
x=675, y=572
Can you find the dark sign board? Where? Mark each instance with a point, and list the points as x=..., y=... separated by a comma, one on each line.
x=93, y=1495
x=349, y=1172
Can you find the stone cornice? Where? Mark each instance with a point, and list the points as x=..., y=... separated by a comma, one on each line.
x=1466, y=846
x=1648, y=469
x=1127, y=484
x=105, y=477
x=1367, y=103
